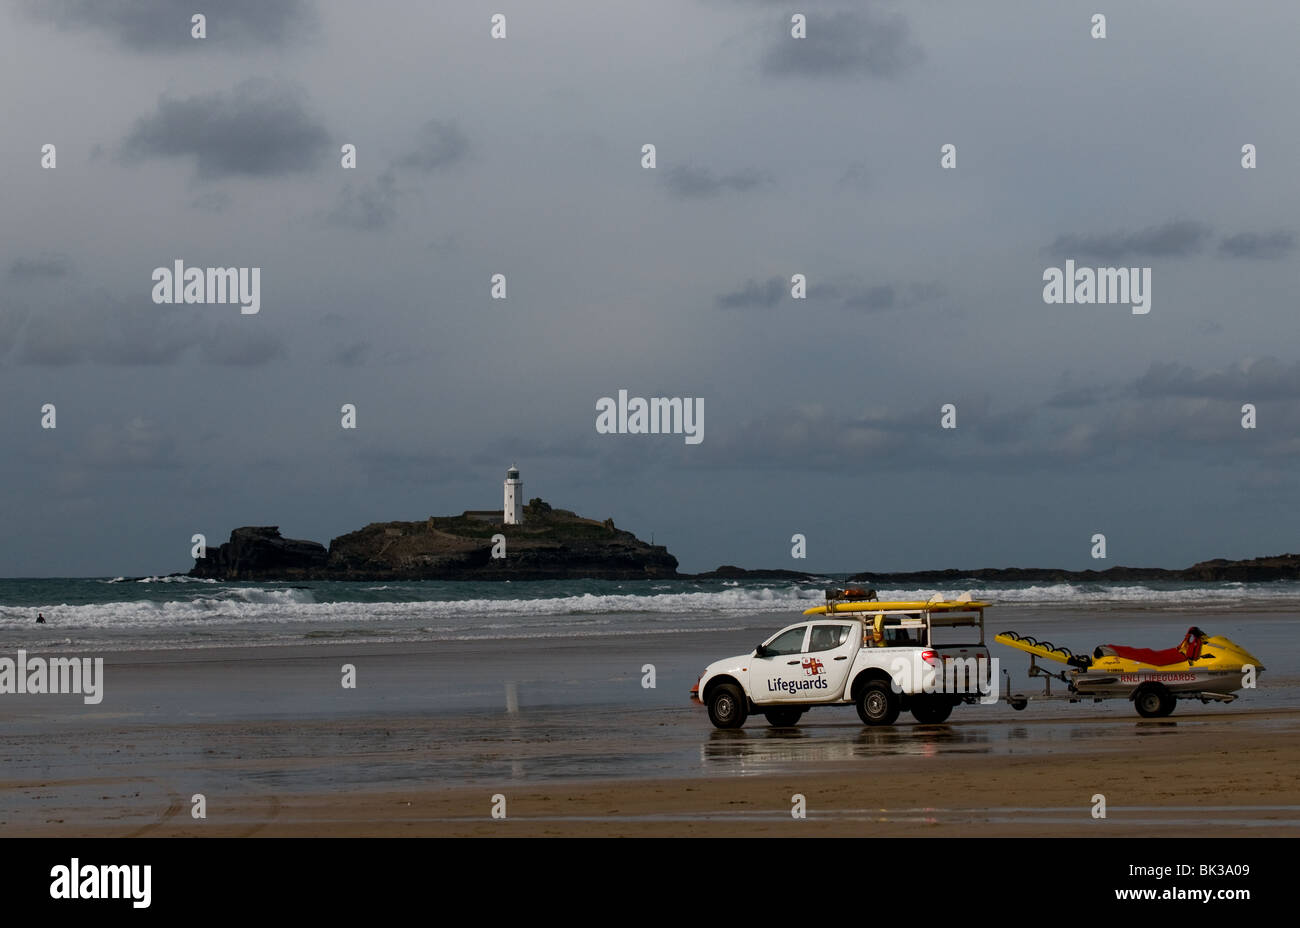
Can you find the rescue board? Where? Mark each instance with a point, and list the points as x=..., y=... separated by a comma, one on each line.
x=872, y=606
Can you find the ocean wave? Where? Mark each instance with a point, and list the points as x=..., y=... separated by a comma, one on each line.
x=259, y=605
x=176, y=578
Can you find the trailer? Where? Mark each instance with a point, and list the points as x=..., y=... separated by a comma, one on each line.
x=1205, y=668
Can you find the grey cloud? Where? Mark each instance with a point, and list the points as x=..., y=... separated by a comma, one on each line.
x=856, y=176
x=235, y=343
x=44, y=267
x=212, y=201
x=1249, y=380
x=138, y=443
x=351, y=355
x=910, y=439
x=752, y=294
x=98, y=330
x=1268, y=247
x=441, y=144
x=1175, y=411
x=1177, y=238
x=845, y=44
x=1080, y=397
x=873, y=299
x=882, y=297
x=367, y=207
x=259, y=129
x=164, y=25
x=689, y=181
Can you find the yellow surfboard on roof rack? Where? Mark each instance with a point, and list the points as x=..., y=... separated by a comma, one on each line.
x=834, y=608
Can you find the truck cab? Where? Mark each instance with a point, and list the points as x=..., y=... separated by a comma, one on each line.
x=882, y=657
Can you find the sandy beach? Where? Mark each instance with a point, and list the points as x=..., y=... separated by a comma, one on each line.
x=576, y=746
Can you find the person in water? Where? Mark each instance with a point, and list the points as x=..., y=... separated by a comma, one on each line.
x=40, y=618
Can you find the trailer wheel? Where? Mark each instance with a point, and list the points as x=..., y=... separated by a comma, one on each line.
x=878, y=704
x=931, y=710
x=1153, y=701
x=727, y=707
x=783, y=718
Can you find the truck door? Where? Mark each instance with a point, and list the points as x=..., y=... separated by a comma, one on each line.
x=829, y=655
x=778, y=676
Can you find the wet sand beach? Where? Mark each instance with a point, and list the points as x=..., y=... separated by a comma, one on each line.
x=569, y=736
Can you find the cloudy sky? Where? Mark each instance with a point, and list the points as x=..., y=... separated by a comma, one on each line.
x=775, y=156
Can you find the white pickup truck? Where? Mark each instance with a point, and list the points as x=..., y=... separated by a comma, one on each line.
x=883, y=657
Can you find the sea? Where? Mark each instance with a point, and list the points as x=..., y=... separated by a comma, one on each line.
x=178, y=612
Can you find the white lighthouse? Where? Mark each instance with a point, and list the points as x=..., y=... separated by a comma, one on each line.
x=514, y=505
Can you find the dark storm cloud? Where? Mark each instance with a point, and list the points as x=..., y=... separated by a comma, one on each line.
x=1247, y=381
x=46, y=267
x=689, y=181
x=367, y=206
x=441, y=144
x=1268, y=247
x=164, y=25
x=1177, y=238
x=259, y=129
x=844, y=44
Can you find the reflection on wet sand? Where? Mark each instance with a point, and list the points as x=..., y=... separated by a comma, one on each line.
x=799, y=746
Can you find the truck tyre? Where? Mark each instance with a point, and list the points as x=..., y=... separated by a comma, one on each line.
x=931, y=710
x=727, y=707
x=783, y=718
x=878, y=704
x=1153, y=701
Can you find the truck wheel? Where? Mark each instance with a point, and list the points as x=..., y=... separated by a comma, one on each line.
x=931, y=711
x=878, y=704
x=1153, y=701
x=727, y=707
x=783, y=718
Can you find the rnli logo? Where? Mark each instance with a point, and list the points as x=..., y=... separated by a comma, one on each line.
x=812, y=666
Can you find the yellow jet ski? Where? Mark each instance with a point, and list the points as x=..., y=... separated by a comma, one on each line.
x=1202, y=667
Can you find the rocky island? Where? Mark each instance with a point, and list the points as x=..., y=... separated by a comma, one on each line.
x=549, y=544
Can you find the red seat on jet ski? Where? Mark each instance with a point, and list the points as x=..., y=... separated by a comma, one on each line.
x=1149, y=656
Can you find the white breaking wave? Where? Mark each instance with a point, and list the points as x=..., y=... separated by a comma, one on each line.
x=256, y=605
